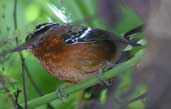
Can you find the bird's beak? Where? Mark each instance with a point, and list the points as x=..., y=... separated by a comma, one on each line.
x=22, y=47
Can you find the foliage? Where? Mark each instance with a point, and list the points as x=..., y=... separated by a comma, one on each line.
x=33, y=12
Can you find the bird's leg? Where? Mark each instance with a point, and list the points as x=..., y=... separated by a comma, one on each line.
x=104, y=67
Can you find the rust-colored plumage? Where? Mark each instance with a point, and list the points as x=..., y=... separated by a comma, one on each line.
x=73, y=53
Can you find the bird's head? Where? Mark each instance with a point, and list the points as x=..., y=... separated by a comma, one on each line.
x=45, y=38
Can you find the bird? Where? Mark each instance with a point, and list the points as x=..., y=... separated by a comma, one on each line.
x=74, y=53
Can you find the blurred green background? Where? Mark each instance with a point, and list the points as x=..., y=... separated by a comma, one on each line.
x=33, y=12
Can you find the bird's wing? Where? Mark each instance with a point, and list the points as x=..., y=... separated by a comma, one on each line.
x=87, y=35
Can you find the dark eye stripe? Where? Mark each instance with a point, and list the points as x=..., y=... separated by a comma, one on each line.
x=40, y=29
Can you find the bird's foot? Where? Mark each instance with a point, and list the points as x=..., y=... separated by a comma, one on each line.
x=104, y=67
x=60, y=93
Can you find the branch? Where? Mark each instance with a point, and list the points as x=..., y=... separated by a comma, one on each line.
x=118, y=70
x=23, y=65
x=23, y=79
x=21, y=56
x=16, y=94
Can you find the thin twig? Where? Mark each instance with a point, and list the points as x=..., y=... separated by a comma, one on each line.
x=35, y=86
x=16, y=94
x=21, y=56
x=138, y=98
x=15, y=14
x=23, y=65
x=33, y=82
x=142, y=96
x=23, y=80
x=6, y=89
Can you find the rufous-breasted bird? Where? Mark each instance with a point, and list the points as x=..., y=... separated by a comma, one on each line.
x=74, y=53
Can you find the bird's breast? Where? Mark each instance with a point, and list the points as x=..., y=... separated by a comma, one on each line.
x=77, y=62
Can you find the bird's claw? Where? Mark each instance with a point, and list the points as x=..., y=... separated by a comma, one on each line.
x=60, y=94
x=102, y=80
x=106, y=66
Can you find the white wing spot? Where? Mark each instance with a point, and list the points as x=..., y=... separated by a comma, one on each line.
x=85, y=33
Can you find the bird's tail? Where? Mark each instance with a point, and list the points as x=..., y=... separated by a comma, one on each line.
x=129, y=36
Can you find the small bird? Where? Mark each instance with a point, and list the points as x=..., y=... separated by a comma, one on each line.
x=74, y=53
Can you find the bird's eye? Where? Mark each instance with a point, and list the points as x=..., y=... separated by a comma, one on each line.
x=28, y=37
x=33, y=46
